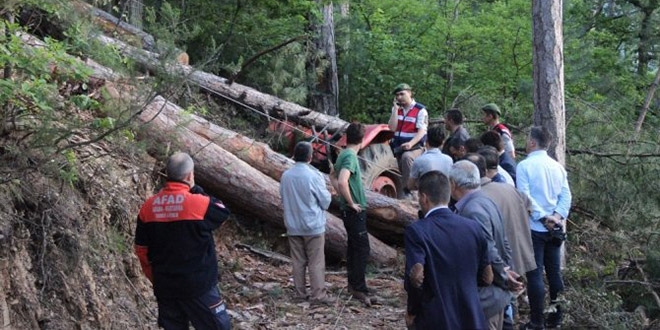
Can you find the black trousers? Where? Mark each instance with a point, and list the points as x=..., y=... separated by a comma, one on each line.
x=207, y=312
x=358, y=249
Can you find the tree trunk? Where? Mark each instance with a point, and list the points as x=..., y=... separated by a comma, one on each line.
x=110, y=24
x=325, y=92
x=548, y=70
x=647, y=103
x=238, y=93
x=10, y=20
x=387, y=217
x=241, y=186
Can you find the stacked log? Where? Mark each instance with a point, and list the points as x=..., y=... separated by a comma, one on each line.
x=240, y=185
x=387, y=216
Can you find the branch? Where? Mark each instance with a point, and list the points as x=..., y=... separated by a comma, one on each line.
x=647, y=103
x=611, y=154
x=261, y=53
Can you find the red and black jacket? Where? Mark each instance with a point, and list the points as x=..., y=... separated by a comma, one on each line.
x=174, y=240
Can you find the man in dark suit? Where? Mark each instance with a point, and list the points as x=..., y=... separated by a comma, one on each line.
x=446, y=258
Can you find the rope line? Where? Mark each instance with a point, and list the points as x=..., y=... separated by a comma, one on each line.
x=293, y=127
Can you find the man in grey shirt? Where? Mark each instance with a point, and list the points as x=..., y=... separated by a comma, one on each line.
x=305, y=199
x=432, y=160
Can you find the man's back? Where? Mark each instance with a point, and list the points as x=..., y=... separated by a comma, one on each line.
x=304, y=197
x=431, y=160
x=453, y=250
x=514, y=207
x=545, y=181
x=175, y=226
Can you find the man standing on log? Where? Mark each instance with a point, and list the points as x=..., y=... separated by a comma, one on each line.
x=175, y=246
x=305, y=199
x=409, y=121
x=545, y=181
x=491, y=118
x=446, y=258
x=347, y=180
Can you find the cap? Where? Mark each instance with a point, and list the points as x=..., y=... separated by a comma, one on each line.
x=401, y=87
x=492, y=107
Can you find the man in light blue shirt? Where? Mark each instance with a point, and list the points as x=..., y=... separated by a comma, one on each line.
x=545, y=181
x=432, y=160
x=305, y=199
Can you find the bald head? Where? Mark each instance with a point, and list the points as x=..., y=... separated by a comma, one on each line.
x=179, y=166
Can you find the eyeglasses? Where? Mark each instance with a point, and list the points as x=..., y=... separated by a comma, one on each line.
x=400, y=93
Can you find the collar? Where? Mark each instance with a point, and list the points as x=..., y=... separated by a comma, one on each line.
x=538, y=152
x=412, y=104
x=176, y=185
x=460, y=203
x=435, y=209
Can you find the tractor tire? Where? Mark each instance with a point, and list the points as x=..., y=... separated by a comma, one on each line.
x=380, y=171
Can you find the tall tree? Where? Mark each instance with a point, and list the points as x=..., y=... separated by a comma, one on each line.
x=548, y=73
x=324, y=95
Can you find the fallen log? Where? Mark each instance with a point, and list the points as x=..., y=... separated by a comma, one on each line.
x=241, y=186
x=242, y=94
x=387, y=217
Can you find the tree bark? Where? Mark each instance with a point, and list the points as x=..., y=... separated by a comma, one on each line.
x=237, y=93
x=325, y=92
x=548, y=71
x=241, y=186
x=387, y=217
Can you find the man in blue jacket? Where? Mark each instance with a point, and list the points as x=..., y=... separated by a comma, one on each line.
x=446, y=258
x=305, y=199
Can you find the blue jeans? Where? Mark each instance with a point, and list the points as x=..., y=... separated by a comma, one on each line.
x=547, y=255
x=207, y=312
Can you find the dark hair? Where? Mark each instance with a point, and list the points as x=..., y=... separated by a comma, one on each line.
x=491, y=157
x=435, y=186
x=302, y=152
x=455, y=115
x=473, y=144
x=435, y=136
x=456, y=143
x=478, y=160
x=541, y=135
x=494, y=139
x=355, y=133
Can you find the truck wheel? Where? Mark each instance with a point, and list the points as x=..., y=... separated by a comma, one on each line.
x=380, y=171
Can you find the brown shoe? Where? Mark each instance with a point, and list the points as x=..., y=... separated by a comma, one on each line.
x=361, y=296
x=327, y=301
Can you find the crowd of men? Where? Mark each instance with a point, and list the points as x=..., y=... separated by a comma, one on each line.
x=461, y=278
x=487, y=226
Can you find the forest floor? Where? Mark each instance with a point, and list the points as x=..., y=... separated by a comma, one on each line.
x=258, y=288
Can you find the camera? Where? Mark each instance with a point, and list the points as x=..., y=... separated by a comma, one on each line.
x=557, y=234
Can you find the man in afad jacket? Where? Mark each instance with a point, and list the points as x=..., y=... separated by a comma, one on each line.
x=175, y=246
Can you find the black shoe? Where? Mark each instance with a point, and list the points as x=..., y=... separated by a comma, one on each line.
x=554, y=319
x=531, y=326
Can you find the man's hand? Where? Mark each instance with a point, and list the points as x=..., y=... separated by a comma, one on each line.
x=406, y=146
x=551, y=221
x=356, y=207
x=410, y=320
x=417, y=275
x=512, y=280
